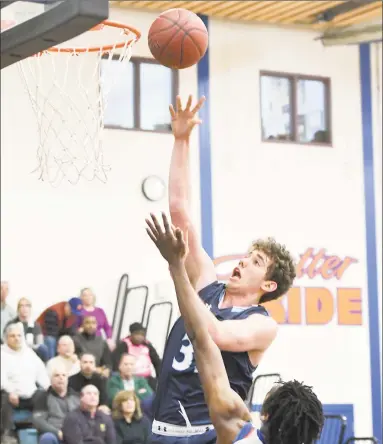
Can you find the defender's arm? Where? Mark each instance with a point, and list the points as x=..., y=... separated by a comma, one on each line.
x=222, y=401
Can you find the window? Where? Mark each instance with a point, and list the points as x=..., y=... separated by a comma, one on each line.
x=295, y=108
x=137, y=94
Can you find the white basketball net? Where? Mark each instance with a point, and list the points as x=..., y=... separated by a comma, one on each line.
x=69, y=97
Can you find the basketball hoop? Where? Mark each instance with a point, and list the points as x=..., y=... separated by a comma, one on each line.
x=69, y=96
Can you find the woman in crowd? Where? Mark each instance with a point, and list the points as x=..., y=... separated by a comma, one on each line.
x=131, y=426
x=33, y=334
x=89, y=309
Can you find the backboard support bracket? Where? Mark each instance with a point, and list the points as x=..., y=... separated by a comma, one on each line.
x=57, y=25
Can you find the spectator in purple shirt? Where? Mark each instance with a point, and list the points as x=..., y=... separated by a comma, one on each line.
x=89, y=309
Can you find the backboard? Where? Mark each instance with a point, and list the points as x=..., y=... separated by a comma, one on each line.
x=28, y=27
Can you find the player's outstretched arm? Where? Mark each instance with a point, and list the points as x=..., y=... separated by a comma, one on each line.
x=226, y=408
x=198, y=264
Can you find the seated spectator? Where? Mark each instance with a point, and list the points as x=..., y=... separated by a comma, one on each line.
x=66, y=357
x=89, y=309
x=88, y=342
x=89, y=376
x=7, y=312
x=32, y=330
x=126, y=380
x=21, y=372
x=88, y=424
x=131, y=426
x=52, y=406
x=146, y=355
x=59, y=320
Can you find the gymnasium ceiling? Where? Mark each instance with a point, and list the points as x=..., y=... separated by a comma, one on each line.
x=317, y=15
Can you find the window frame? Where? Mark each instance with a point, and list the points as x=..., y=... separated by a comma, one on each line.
x=137, y=62
x=293, y=79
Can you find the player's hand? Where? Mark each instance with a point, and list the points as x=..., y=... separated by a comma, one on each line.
x=169, y=240
x=185, y=119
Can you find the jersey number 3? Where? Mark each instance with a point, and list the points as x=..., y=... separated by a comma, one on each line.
x=188, y=355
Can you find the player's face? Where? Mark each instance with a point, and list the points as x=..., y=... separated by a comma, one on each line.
x=250, y=274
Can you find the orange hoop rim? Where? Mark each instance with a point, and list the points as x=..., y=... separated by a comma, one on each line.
x=105, y=48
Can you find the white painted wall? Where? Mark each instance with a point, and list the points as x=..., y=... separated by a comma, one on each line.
x=58, y=240
x=305, y=196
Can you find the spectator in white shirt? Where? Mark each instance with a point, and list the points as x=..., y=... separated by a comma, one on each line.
x=66, y=357
x=22, y=371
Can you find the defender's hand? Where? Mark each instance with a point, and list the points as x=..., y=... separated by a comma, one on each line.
x=169, y=240
x=184, y=120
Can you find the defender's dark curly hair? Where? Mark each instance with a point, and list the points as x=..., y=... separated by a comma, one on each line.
x=282, y=269
x=293, y=414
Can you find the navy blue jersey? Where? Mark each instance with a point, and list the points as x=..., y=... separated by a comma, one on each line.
x=180, y=399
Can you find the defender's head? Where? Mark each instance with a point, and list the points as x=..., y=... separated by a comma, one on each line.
x=291, y=414
x=267, y=271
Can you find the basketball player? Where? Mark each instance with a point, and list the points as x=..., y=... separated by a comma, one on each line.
x=237, y=322
x=291, y=413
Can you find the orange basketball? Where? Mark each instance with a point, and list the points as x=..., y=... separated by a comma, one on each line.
x=178, y=38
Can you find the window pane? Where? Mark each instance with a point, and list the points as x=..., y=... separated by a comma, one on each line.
x=276, y=108
x=117, y=84
x=155, y=96
x=312, y=111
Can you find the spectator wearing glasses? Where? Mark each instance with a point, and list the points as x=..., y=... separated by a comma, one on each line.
x=33, y=334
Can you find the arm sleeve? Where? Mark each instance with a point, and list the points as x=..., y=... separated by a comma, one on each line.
x=117, y=353
x=112, y=389
x=110, y=432
x=106, y=358
x=40, y=415
x=5, y=383
x=146, y=386
x=42, y=377
x=77, y=346
x=156, y=361
x=106, y=326
x=103, y=392
x=72, y=431
x=51, y=323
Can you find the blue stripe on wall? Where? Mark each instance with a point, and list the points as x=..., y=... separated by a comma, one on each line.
x=372, y=272
x=205, y=152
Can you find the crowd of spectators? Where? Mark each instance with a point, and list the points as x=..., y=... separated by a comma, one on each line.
x=74, y=382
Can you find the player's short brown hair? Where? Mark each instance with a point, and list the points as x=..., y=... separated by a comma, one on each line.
x=282, y=269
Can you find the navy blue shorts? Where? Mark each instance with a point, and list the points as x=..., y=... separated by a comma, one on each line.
x=207, y=438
